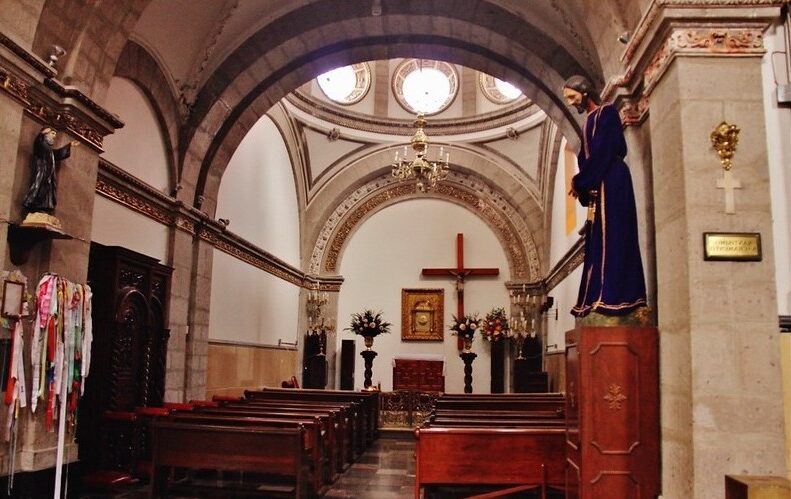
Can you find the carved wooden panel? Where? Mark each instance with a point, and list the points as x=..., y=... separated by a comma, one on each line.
x=612, y=387
x=129, y=352
x=425, y=375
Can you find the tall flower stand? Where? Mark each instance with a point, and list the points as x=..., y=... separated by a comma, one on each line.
x=368, y=355
x=498, y=366
x=468, y=357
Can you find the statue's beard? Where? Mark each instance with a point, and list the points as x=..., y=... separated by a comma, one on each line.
x=49, y=140
x=583, y=105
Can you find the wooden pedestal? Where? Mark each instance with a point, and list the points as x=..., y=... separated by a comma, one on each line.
x=612, y=413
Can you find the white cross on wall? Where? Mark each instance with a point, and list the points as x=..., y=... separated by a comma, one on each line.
x=729, y=184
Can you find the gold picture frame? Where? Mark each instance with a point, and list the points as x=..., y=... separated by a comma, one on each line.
x=422, y=314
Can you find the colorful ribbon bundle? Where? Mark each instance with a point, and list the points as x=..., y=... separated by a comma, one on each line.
x=60, y=355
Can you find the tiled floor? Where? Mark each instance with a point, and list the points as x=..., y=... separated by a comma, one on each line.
x=385, y=471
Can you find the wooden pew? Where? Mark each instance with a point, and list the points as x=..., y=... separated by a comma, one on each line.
x=369, y=401
x=475, y=456
x=332, y=432
x=259, y=449
x=547, y=405
x=316, y=444
x=344, y=423
x=494, y=422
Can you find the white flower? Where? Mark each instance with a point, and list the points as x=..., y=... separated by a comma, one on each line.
x=473, y=326
x=462, y=327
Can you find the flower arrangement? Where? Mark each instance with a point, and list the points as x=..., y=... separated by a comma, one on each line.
x=368, y=324
x=495, y=326
x=465, y=326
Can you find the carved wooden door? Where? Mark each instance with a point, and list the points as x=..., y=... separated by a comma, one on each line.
x=128, y=355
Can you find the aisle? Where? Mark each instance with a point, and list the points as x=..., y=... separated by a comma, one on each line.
x=385, y=471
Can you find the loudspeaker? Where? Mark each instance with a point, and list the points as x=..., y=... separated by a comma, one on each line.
x=347, y=364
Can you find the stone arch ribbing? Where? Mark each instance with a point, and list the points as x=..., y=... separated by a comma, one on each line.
x=464, y=190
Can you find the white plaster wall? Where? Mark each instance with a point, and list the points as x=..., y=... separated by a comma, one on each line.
x=565, y=293
x=778, y=137
x=138, y=147
x=116, y=225
x=257, y=193
x=387, y=254
x=249, y=305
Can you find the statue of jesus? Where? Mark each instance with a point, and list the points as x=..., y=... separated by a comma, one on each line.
x=612, y=275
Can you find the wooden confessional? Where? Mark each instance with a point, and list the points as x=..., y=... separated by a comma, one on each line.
x=128, y=355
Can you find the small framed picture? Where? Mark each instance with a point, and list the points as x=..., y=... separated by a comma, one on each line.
x=13, y=294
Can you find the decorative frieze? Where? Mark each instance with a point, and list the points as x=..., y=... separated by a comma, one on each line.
x=696, y=41
x=127, y=190
x=570, y=261
x=633, y=112
x=133, y=202
x=31, y=82
x=254, y=258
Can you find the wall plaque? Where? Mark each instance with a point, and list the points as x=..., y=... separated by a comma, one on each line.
x=732, y=246
x=422, y=314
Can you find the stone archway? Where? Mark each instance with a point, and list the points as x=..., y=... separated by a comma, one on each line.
x=465, y=190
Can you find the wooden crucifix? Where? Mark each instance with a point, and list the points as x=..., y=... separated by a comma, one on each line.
x=460, y=273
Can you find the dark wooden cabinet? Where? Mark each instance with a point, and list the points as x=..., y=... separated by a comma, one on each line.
x=129, y=351
x=314, y=361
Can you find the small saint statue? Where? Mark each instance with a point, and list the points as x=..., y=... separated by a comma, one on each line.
x=613, y=285
x=40, y=199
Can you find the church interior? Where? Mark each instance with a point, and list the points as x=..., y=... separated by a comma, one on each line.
x=240, y=178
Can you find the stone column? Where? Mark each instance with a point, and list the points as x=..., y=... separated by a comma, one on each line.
x=721, y=392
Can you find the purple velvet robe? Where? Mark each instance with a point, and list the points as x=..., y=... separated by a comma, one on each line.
x=612, y=274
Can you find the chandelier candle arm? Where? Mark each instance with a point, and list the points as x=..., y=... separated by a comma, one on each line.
x=426, y=173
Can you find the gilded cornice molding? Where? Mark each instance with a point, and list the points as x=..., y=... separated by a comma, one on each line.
x=129, y=191
x=248, y=253
x=494, y=209
x=570, y=261
x=509, y=115
x=30, y=82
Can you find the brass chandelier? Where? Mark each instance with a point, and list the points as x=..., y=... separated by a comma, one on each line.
x=426, y=173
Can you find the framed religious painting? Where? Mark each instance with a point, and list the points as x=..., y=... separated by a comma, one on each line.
x=422, y=314
x=13, y=294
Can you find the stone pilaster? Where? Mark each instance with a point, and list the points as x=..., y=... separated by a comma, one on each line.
x=31, y=97
x=686, y=70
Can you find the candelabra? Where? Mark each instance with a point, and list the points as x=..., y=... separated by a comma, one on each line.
x=318, y=324
x=426, y=173
x=526, y=308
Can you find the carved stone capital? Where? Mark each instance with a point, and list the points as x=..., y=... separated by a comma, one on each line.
x=674, y=28
x=31, y=82
x=702, y=41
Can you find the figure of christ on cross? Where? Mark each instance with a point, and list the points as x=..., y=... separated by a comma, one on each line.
x=460, y=273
